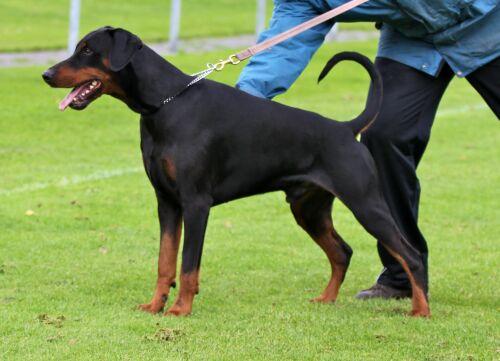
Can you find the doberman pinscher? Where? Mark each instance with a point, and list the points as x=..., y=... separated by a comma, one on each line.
x=213, y=144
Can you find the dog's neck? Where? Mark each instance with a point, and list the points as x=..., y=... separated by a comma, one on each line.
x=150, y=80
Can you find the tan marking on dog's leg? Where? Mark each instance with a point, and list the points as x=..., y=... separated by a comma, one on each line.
x=420, y=306
x=167, y=266
x=330, y=243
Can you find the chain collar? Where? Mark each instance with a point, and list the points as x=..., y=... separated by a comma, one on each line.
x=198, y=76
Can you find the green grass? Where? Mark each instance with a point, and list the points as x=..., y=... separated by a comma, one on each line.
x=35, y=25
x=88, y=253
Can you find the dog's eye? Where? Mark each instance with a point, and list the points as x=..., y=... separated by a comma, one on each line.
x=87, y=51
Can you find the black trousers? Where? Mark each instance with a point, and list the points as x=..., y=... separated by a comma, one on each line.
x=399, y=136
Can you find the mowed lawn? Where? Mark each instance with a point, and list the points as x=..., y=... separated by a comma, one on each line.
x=40, y=25
x=79, y=242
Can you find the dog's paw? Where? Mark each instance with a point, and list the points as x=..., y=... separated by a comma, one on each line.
x=420, y=313
x=322, y=299
x=153, y=307
x=176, y=310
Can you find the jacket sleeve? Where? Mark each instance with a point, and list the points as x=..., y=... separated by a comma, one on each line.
x=273, y=71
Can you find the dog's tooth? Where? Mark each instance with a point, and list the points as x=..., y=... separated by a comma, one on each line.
x=91, y=87
x=94, y=82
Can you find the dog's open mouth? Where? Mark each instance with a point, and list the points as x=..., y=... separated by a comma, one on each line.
x=82, y=95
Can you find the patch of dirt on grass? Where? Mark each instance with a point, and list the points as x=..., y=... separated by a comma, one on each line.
x=165, y=335
x=56, y=321
x=54, y=338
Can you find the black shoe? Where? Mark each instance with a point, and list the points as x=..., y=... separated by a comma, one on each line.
x=383, y=291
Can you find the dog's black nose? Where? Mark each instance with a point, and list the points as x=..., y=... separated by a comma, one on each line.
x=48, y=75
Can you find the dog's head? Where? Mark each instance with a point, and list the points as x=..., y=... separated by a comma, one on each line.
x=93, y=69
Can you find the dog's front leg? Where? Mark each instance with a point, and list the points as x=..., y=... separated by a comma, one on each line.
x=195, y=215
x=170, y=218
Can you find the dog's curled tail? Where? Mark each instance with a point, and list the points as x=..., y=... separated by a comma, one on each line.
x=368, y=116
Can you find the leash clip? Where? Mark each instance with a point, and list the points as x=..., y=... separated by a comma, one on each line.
x=232, y=59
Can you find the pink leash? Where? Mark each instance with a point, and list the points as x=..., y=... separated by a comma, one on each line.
x=235, y=59
x=251, y=51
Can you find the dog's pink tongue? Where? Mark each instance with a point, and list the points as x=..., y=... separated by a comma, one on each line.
x=69, y=98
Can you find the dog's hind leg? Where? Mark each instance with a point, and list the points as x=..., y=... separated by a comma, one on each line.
x=354, y=181
x=374, y=216
x=312, y=211
x=363, y=197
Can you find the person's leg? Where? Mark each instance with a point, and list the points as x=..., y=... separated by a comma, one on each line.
x=486, y=80
x=397, y=141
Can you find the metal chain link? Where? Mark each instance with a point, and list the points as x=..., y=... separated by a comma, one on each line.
x=198, y=76
x=204, y=73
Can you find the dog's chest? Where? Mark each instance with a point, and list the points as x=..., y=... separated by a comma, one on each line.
x=160, y=167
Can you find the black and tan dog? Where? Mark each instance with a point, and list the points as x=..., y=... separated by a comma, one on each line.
x=213, y=144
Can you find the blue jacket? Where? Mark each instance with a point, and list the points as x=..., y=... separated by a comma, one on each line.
x=422, y=34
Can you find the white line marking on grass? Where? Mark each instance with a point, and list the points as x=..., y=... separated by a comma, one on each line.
x=68, y=181
x=462, y=109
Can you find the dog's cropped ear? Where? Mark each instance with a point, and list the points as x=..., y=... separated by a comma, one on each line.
x=123, y=48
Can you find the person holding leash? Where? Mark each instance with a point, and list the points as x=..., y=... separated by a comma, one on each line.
x=423, y=45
